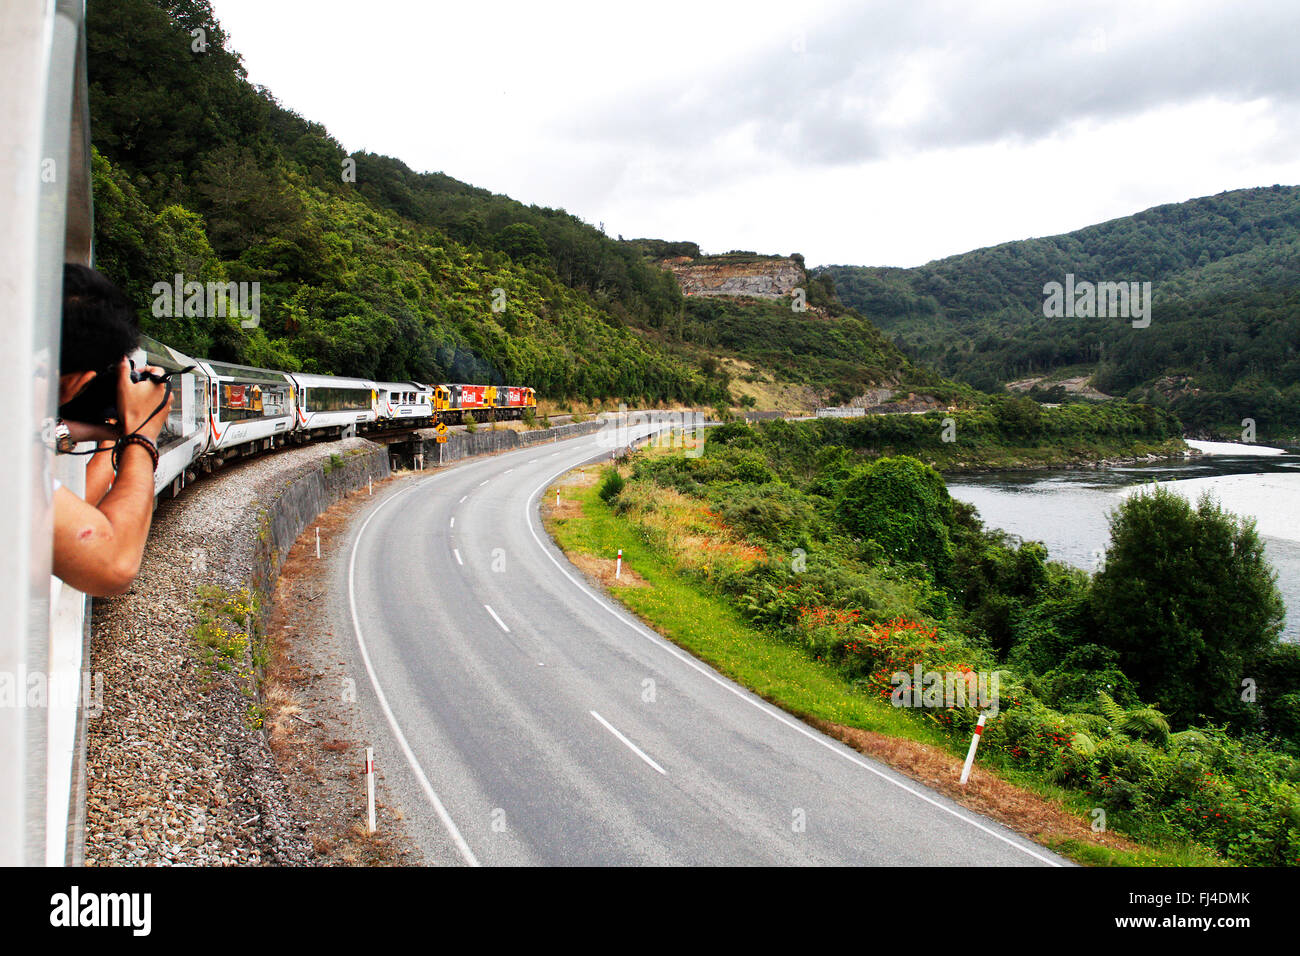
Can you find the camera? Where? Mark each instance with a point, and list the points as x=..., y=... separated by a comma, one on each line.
x=96, y=404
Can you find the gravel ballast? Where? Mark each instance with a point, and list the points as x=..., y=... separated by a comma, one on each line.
x=178, y=770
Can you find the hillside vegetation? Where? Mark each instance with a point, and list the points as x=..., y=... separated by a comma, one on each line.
x=365, y=268
x=829, y=347
x=1225, y=323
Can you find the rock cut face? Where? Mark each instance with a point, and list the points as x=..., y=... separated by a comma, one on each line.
x=762, y=278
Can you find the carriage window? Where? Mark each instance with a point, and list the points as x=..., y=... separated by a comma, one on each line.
x=328, y=399
x=244, y=400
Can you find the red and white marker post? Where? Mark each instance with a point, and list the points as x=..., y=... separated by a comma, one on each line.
x=970, y=754
x=618, y=567
x=370, y=790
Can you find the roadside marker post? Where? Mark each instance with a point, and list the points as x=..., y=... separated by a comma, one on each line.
x=370, y=790
x=618, y=568
x=370, y=483
x=317, y=543
x=970, y=754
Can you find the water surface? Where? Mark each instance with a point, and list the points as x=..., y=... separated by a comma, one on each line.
x=1067, y=510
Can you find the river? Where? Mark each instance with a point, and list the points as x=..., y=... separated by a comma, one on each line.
x=1067, y=510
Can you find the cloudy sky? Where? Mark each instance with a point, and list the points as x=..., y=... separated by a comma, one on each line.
x=882, y=133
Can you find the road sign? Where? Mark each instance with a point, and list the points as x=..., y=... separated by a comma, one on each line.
x=441, y=429
x=440, y=439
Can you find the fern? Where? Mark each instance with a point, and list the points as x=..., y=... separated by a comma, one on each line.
x=1113, y=711
x=1140, y=723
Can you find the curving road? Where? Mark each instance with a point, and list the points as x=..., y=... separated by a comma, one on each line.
x=509, y=706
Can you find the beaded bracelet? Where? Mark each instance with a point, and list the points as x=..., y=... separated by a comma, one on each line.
x=134, y=439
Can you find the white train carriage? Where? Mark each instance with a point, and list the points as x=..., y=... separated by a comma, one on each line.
x=185, y=434
x=250, y=409
x=401, y=401
x=326, y=403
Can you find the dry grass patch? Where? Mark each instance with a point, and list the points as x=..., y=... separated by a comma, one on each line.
x=1019, y=809
x=601, y=571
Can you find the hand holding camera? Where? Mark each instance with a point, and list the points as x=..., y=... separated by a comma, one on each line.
x=140, y=392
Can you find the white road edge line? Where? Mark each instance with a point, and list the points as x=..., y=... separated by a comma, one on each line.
x=462, y=499
x=465, y=852
x=484, y=482
x=456, y=552
x=739, y=692
x=453, y=523
x=497, y=619
x=631, y=746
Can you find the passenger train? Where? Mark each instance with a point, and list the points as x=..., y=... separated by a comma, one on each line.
x=223, y=411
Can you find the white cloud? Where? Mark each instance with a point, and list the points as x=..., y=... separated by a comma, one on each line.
x=885, y=134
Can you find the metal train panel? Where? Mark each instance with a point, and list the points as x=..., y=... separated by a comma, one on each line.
x=247, y=405
x=328, y=402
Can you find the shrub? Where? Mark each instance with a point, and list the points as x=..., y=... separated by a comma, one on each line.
x=1186, y=597
x=904, y=506
x=611, y=485
x=771, y=512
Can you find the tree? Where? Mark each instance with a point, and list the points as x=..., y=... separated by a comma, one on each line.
x=903, y=505
x=523, y=243
x=1186, y=597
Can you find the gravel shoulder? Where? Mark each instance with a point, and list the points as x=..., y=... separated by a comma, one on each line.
x=179, y=767
x=313, y=721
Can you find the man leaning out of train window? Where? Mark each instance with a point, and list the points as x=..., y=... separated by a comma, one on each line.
x=99, y=541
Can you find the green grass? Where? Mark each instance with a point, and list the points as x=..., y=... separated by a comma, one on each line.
x=706, y=625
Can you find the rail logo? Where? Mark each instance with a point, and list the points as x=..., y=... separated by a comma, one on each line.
x=1103, y=300
x=177, y=298
x=74, y=908
x=936, y=689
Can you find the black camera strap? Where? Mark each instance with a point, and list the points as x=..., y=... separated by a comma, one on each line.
x=121, y=442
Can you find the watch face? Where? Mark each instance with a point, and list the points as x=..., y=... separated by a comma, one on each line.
x=63, y=442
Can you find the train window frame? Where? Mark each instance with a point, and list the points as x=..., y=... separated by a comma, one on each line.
x=309, y=394
x=281, y=388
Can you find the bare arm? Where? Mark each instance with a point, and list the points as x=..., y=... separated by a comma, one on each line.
x=98, y=549
x=99, y=474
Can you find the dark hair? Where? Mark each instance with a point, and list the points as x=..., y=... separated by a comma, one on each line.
x=99, y=325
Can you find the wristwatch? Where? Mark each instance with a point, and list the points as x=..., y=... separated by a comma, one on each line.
x=63, y=442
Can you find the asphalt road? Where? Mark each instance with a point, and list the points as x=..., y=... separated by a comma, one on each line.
x=520, y=717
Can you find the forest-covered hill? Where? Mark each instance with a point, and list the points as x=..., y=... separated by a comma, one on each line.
x=1224, y=338
x=367, y=267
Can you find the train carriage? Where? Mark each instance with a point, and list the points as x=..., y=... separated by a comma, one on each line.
x=404, y=401
x=251, y=409
x=186, y=433
x=512, y=400
x=331, y=404
x=463, y=401
x=456, y=403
